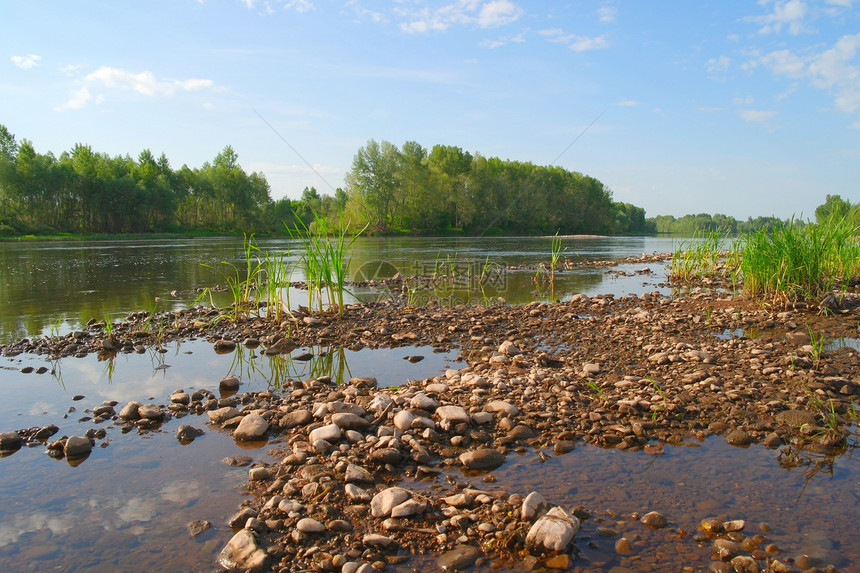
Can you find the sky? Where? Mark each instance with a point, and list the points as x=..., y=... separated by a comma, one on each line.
x=735, y=107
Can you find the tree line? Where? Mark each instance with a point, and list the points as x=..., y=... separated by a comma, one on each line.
x=834, y=206
x=445, y=189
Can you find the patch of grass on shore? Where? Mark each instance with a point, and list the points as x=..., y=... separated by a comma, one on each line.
x=790, y=263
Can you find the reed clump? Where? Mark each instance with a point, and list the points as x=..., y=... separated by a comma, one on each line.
x=792, y=263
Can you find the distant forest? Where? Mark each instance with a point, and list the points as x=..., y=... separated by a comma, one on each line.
x=411, y=189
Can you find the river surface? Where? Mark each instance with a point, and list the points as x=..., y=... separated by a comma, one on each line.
x=126, y=507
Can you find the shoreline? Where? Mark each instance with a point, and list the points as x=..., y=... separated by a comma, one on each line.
x=632, y=373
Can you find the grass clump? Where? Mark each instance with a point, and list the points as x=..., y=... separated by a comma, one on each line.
x=791, y=263
x=702, y=256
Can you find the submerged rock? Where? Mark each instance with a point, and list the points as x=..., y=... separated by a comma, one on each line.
x=553, y=532
x=243, y=554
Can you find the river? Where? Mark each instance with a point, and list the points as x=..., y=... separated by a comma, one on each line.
x=126, y=507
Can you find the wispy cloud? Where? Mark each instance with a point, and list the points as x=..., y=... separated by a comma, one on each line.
x=573, y=41
x=502, y=41
x=788, y=14
x=492, y=14
x=268, y=6
x=607, y=13
x=718, y=65
x=834, y=69
x=26, y=62
x=629, y=103
x=756, y=116
x=144, y=83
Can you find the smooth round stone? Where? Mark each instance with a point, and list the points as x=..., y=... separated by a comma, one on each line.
x=623, y=546
x=310, y=525
x=654, y=520
x=483, y=459
x=460, y=558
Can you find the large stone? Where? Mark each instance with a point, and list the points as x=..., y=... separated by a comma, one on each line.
x=330, y=433
x=423, y=402
x=221, y=415
x=408, y=508
x=483, y=459
x=242, y=553
x=460, y=558
x=403, y=420
x=553, y=532
x=349, y=421
x=150, y=411
x=502, y=406
x=386, y=500
x=508, y=348
x=796, y=418
x=310, y=525
x=296, y=418
x=230, y=384
x=77, y=446
x=355, y=473
x=533, y=505
x=252, y=427
x=449, y=416
x=654, y=520
x=10, y=441
x=130, y=411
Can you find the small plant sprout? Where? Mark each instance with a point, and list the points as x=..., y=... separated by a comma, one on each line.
x=557, y=251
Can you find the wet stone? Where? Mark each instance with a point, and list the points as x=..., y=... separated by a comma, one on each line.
x=739, y=438
x=552, y=532
x=237, y=461
x=654, y=520
x=77, y=446
x=482, y=459
x=252, y=427
x=186, y=434
x=197, y=527
x=460, y=558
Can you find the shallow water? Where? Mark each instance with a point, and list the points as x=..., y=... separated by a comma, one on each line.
x=125, y=508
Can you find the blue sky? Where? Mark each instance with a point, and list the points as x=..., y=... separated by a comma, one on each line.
x=736, y=107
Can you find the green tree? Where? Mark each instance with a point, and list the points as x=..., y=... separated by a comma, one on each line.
x=834, y=207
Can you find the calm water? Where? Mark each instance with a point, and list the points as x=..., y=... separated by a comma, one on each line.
x=126, y=507
x=57, y=286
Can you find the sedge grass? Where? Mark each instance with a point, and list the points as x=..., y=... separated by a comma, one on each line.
x=792, y=263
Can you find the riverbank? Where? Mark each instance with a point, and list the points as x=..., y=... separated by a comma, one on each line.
x=363, y=474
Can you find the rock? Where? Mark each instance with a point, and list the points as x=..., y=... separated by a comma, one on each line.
x=224, y=346
x=483, y=459
x=533, y=505
x=229, y=384
x=197, y=527
x=377, y=540
x=221, y=415
x=521, y=432
x=130, y=411
x=259, y=474
x=502, y=406
x=237, y=461
x=310, y=525
x=296, y=418
x=330, y=433
x=242, y=553
x=403, y=420
x=387, y=455
x=745, y=564
x=355, y=493
x=553, y=532
x=424, y=402
x=796, y=418
x=408, y=508
x=739, y=437
x=623, y=546
x=450, y=416
x=590, y=369
x=508, y=348
x=386, y=500
x=349, y=421
x=252, y=427
x=654, y=520
x=186, y=434
x=77, y=446
x=558, y=562
x=364, y=382
x=355, y=473
x=10, y=441
x=460, y=558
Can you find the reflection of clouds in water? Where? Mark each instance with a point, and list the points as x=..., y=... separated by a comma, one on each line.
x=181, y=491
x=137, y=509
x=9, y=533
x=42, y=407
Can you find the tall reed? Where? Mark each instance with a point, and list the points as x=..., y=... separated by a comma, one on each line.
x=325, y=260
x=792, y=263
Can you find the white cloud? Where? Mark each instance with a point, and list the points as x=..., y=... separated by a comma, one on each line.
x=749, y=100
x=502, y=41
x=492, y=14
x=840, y=3
x=26, y=62
x=144, y=82
x=574, y=42
x=718, y=65
x=756, y=116
x=628, y=103
x=786, y=13
x=498, y=13
x=835, y=69
x=80, y=98
x=299, y=5
x=607, y=13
